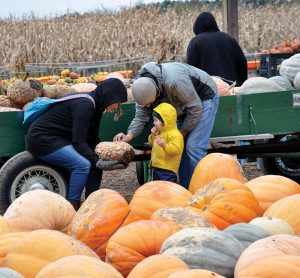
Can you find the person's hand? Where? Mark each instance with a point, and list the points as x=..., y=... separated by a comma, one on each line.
x=123, y=137
x=153, y=131
x=160, y=142
x=109, y=165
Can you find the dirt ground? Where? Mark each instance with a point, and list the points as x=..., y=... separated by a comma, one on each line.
x=125, y=181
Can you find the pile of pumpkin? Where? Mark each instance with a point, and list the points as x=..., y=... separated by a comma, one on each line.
x=287, y=46
x=19, y=92
x=224, y=226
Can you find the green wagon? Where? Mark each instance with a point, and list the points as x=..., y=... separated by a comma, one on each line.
x=268, y=122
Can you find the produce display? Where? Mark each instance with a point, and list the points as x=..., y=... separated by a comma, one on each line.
x=228, y=227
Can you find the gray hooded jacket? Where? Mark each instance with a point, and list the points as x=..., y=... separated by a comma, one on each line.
x=184, y=87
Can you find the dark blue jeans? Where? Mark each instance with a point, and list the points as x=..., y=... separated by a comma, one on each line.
x=81, y=172
x=164, y=175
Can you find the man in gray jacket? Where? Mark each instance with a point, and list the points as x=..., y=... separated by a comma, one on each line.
x=192, y=92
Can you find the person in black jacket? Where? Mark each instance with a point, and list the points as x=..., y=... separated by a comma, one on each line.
x=66, y=135
x=216, y=52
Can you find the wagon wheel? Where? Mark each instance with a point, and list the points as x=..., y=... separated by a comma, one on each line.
x=23, y=173
x=285, y=166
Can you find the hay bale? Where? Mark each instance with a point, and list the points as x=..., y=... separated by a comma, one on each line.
x=119, y=151
x=22, y=92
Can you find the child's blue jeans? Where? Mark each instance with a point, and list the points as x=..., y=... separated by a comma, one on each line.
x=164, y=175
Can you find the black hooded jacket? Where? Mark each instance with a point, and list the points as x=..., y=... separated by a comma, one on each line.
x=216, y=52
x=74, y=122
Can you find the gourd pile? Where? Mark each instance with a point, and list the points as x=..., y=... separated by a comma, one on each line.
x=16, y=93
x=223, y=226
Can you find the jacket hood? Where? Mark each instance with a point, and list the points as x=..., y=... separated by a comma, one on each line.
x=155, y=70
x=168, y=114
x=205, y=22
x=110, y=91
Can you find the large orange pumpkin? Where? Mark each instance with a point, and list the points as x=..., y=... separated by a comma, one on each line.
x=225, y=202
x=287, y=209
x=275, y=256
x=40, y=209
x=271, y=188
x=4, y=226
x=155, y=195
x=98, y=218
x=133, y=243
x=180, y=218
x=29, y=252
x=158, y=266
x=214, y=166
x=195, y=273
x=78, y=266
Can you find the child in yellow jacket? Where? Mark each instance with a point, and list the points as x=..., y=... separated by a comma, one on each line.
x=167, y=143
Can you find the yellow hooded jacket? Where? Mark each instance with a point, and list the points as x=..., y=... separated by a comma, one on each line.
x=168, y=158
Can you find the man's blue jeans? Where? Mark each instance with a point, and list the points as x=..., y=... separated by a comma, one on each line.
x=68, y=157
x=196, y=142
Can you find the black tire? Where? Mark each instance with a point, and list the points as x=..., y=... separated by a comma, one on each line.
x=139, y=166
x=284, y=166
x=23, y=172
x=287, y=167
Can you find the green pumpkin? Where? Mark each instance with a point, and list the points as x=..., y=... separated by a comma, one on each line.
x=205, y=248
x=6, y=272
x=246, y=233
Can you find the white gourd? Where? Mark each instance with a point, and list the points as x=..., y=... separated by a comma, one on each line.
x=290, y=67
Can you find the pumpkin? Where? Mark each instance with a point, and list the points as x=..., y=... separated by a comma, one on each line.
x=98, y=218
x=29, y=252
x=205, y=248
x=295, y=45
x=133, y=243
x=287, y=209
x=84, y=87
x=259, y=85
x=180, y=218
x=223, y=87
x=297, y=80
x=273, y=225
x=226, y=202
x=246, y=233
x=271, y=267
x=39, y=209
x=4, y=226
x=195, y=273
x=115, y=75
x=290, y=67
x=7, y=240
x=282, y=82
x=271, y=188
x=157, y=266
x=78, y=266
x=23, y=91
x=155, y=195
x=214, y=166
x=274, y=256
x=6, y=272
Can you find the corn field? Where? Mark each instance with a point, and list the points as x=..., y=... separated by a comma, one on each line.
x=133, y=33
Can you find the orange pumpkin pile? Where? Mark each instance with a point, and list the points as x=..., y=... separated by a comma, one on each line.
x=287, y=46
x=156, y=233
